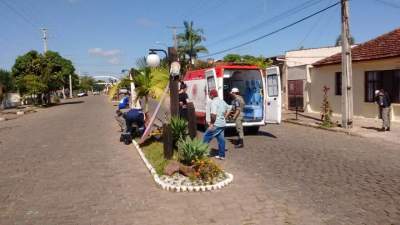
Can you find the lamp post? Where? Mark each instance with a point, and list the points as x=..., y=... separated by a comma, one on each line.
x=153, y=60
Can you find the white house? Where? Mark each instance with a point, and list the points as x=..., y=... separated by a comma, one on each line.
x=296, y=74
x=376, y=65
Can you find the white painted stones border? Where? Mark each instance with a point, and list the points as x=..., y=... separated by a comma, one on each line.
x=181, y=188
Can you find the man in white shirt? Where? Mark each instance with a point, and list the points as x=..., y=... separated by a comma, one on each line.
x=216, y=122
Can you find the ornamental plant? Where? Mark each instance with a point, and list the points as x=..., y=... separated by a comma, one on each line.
x=179, y=128
x=206, y=170
x=326, y=111
x=191, y=150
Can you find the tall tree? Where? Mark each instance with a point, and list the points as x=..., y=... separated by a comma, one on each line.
x=6, y=83
x=259, y=61
x=47, y=73
x=6, y=80
x=189, y=42
x=30, y=64
x=338, y=41
x=87, y=83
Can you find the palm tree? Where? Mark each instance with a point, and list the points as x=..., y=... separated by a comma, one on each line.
x=143, y=83
x=338, y=41
x=189, y=42
x=150, y=83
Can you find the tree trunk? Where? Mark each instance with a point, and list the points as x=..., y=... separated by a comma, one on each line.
x=146, y=108
x=63, y=92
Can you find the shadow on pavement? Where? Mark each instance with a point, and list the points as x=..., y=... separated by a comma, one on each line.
x=70, y=103
x=372, y=128
x=265, y=134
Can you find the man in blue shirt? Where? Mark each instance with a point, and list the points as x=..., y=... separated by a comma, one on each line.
x=123, y=106
x=134, y=116
x=124, y=102
x=215, y=117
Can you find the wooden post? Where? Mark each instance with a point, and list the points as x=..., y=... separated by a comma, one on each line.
x=192, y=123
x=347, y=77
x=168, y=141
x=173, y=88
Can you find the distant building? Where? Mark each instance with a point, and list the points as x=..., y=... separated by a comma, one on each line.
x=296, y=75
x=376, y=65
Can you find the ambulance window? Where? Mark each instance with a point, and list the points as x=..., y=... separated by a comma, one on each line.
x=272, y=85
x=210, y=83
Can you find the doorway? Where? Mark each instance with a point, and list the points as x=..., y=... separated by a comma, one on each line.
x=296, y=95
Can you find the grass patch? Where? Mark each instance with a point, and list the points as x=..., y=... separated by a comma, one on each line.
x=155, y=154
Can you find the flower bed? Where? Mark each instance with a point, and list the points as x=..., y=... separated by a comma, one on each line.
x=205, y=177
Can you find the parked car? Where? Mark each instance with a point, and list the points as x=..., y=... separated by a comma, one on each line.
x=96, y=93
x=81, y=94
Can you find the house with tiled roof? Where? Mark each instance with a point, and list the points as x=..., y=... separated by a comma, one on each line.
x=376, y=65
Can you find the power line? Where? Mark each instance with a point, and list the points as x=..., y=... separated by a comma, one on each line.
x=21, y=15
x=273, y=32
x=273, y=19
x=390, y=4
x=312, y=28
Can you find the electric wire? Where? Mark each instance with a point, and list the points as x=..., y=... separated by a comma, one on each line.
x=313, y=27
x=290, y=12
x=388, y=3
x=21, y=15
x=273, y=32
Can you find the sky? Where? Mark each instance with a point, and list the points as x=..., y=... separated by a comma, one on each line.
x=104, y=37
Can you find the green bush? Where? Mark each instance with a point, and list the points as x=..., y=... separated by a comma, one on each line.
x=56, y=99
x=190, y=150
x=179, y=128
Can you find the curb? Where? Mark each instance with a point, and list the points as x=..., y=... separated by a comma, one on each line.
x=175, y=188
x=322, y=128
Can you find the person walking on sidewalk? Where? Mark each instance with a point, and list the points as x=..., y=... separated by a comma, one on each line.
x=237, y=115
x=215, y=117
x=384, y=103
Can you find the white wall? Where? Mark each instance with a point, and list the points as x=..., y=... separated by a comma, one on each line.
x=11, y=100
x=309, y=56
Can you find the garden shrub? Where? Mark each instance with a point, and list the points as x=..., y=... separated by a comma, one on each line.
x=190, y=150
x=179, y=129
x=206, y=170
x=326, y=110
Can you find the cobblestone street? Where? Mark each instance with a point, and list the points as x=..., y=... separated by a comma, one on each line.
x=65, y=165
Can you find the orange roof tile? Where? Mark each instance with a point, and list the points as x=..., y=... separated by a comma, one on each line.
x=384, y=46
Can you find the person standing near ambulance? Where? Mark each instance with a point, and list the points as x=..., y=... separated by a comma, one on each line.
x=237, y=115
x=215, y=117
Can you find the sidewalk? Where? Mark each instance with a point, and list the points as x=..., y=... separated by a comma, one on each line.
x=13, y=113
x=362, y=127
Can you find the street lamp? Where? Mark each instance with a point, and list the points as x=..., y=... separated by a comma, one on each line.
x=153, y=60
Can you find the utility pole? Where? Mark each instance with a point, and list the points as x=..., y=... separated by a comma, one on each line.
x=70, y=86
x=173, y=28
x=347, y=71
x=44, y=30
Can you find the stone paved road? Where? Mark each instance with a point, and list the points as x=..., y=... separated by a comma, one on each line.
x=65, y=165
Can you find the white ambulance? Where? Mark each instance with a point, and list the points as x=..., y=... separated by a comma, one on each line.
x=260, y=90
